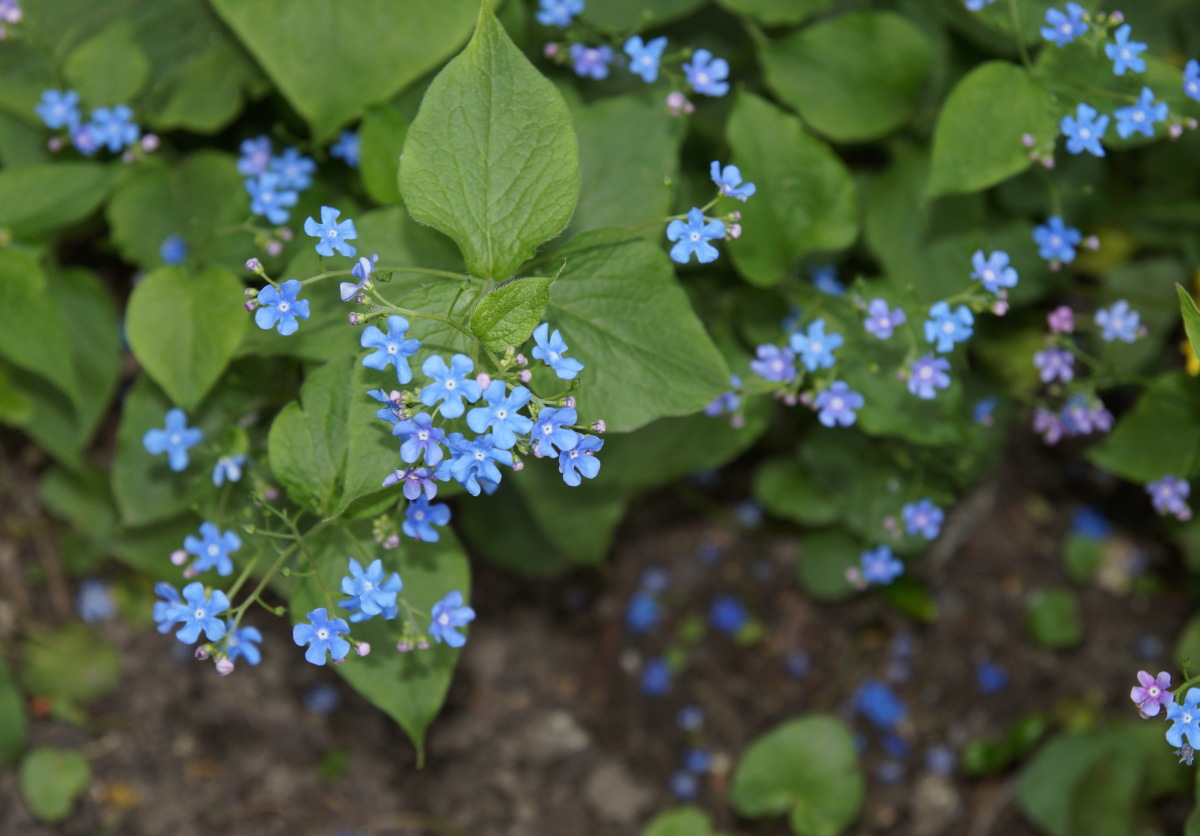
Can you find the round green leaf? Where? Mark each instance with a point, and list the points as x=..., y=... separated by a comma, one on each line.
x=108, y=68
x=51, y=780
x=853, y=78
x=683, y=821
x=806, y=768
x=1053, y=619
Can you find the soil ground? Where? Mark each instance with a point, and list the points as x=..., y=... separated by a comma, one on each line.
x=545, y=731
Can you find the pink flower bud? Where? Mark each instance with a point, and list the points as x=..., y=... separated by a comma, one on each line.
x=190, y=572
x=392, y=542
x=179, y=557
x=250, y=305
x=128, y=157
x=483, y=379
x=201, y=653
x=1028, y=140
x=569, y=401
x=599, y=426
x=536, y=449
x=1048, y=163
x=403, y=647
x=254, y=265
x=525, y=375
x=1175, y=131
x=550, y=50
x=285, y=233
x=150, y=143
x=423, y=644
x=55, y=144
x=1000, y=308
x=1092, y=242
x=789, y=399
x=733, y=231
x=224, y=667
x=1061, y=320
x=396, y=397
x=521, y=360
x=806, y=398
x=355, y=318
x=737, y=420
x=274, y=248
x=271, y=494
x=518, y=465
x=250, y=292
x=362, y=649
x=1117, y=17
x=341, y=661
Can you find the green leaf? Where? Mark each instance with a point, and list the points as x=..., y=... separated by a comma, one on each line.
x=328, y=449
x=13, y=726
x=1135, y=449
x=1191, y=318
x=646, y=354
x=33, y=335
x=16, y=410
x=977, y=141
x=38, y=198
x=195, y=199
x=777, y=12
x=108, y=68
x=1187, y=645
x=507, y=316
x=369, y=51
x=185, y=328
x=1053, y=619
x=806, y=768
x=682, y=821
x=579, y=522
x=381, y=139
x=806, y=201
x=625, y=15
x=786, y=489
x=51, y=780
x=491, y=158
x=409, y=687
x=94, y=341
x=71, y=665
x=824, y=559
x=853, y=78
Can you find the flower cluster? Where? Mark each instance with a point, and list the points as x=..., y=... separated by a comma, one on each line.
x=108, y=128
x=274, y=182
x=692, y=232
x=1152, y=694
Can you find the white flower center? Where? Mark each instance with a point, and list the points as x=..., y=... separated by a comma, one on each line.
x=214, y=550
x=332, y=233
x=695, y=236
x=450, y=384
x=284, y=307
x=175, y=439
x=702, y=78
x=502, y=414
x=200, y=613
x=925, y=373
x=837, y=404
x=1084, y=133
x=322, y=634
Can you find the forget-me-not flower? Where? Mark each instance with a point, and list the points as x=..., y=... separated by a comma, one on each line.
x=269, y=198
x=228, y=469
x=212, y=549
x=814, y=347
x=391, y=348
x=113, y=127
x=1185, y=720
x=591, y=61
x=256, y=156
x=1124, y=53
x=1084, y=130
x=693, y=237
x=580, y=461
x=1152, y=694
x=280, y=308
x=333, y=235
x=945, y=328
x=373, y=593
x=361, y=270
x=198, y=613
x=1169, y=495
x=1140, y=117
x=880, y=566
x=1118, y=322
x=173, y=250
x=1056, y=241
x=644, y=57
x=417, y=480
x=420, y=518
x=59, y=109
x=502, y=414
x=1062, y=28
x=1054, y=364
x=553, y=430
x=729, y=181
x=923, y=518
x=993, y=271
x=322, y=635
x=882, y=322
x=838, y=405
x=551, y=350
x=295, y=170
x=175, y=440
x=450, y=384
x=773, y=363
x=558, y=12
x=347, y=148
x=927, y=375
x=475, y=461
x=707, y=74
x=1191, y=79
x=422, y=439
x=449, y=614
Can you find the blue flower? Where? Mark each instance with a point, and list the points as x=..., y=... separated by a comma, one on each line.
x=269, y=198
x=1089, y=523
x=727, y=615
x=346, y=148
x=423, y=439
x=946, y=327
x=361, y=270
x=279, y=308
x=643, y=613
x=113, y=127
x=993, y=271
x=580, y=461
x=372, y=593
x=243, y=643
x=990, y=677
x=1118, y=323
x=815, y=347
x=449, y=614
x=591, y=61
x=450, y=384
x=1084, y=130
x=1191, y=79
x=173, y=250
x=392, y=411
x=977, y=5
x=322, y=699
x=707, y=74
x=198, y=613
x=256, y=156
x=693, y=237
x=390, y=349
x=879, y=565
x=798, y=664
x=84, y=142
x=59, y=109
x=698, y=761
x=1185, y=720
x=228, y=468
x=923, y=518
x=213, y=550
x=879, y=705
x=333, y=235
x=502, y=414
x=553, y=430
x=475, y=462
x=729, y=181
x=417, y=481
x=838, y=405
x=1140, y=117
x=295, y=170
x=1055, y=364
x=420, y=518
x=690, y=718
x=1124, y=53
x=558, y=12
x=1063, y=28
x=644, y=58
x=775, y=364
x=656, y=678
x=322, y=635
x=981, y=412
x=727, y=402
x=551, y=350
x=684, y=785
x=825, y=279
x=164, y=612
x=882, y=322
x=95, y=601
x=174, y=440
x=927, y=375
x=1056, y=241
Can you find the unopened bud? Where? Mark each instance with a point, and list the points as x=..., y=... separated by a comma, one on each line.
x=806, y=398
x=1055, y=265
x=224, y=667
x=1117, y=18
x=190, y=572
x=737, y=420
x=250, y=305
x=423, y=644
x=128, y=157
x=250, y=292
x=1028, y=140
x=525, y=375
x=569, y=401
x=362, y=649
x=735, y=216
x=1190, y=123
x=483, y=379
x=271, y=494
x=274, y=248
x=1000, y=308
x=733, y=232
x=254, y=265
x=1092, y=242
x=396, y=397
x=518, y=465
x=536, y=449
x=355, y=318
x=55, y=144
x=201, y=653
x=1175, y=131
x=341, y=661
x=150, y=143
x=179, y=557
x=521, y=360
x=1048, y=163
x=403, y=647
x=392, y=542
x=599, y=426
x=789, y=399
x=285, y=233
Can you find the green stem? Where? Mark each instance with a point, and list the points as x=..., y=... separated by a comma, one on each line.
x=1016, y=20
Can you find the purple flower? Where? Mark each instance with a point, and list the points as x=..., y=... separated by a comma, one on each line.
x=423, y=439
x=1048, y=425
x=322, y=635
x=1169, y=496
x=552, y=349
x=945, y=328
x=729, y=181
x=391, y=349
x=591, y=61
x=1056, y=241
x=1124, y=53
x=1063, y=28
x=838, y=405
x=880, y=321
x=553, y=430
x=449, y=614
x=815, y=347
x=1055, y=364
x=279, y=308
x=1185, y=720
x=1152, y=695
x=256, y=156
x=775, y=364
x=993, y=271
x=175, y=439
x=1061, y=320
x=880, y=566
x=417, y=481
x=1118, y=322
x=580, y=461
x=332, y=235
x=450, y=384
x=95, y=601
x=212, y=549
x=923, y=517
x=1084, y=130
x=420, y=518
x=927, y=375
x=707, y=74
